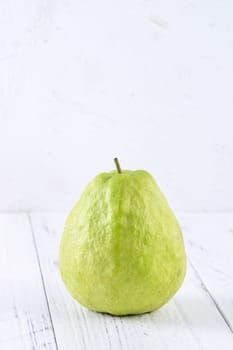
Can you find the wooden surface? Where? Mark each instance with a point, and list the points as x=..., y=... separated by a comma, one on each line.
x=36, y=311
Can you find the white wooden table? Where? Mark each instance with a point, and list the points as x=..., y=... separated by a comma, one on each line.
x=36, y=311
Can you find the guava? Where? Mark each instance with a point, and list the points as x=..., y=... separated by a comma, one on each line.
x=122, y=251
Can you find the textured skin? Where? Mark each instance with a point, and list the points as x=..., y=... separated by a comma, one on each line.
x=122, y=250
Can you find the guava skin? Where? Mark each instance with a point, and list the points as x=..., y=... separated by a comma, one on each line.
x=122, y=250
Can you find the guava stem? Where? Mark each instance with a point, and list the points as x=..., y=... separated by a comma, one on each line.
x=118, y=165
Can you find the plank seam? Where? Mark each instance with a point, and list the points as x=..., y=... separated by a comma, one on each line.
x=203, y=285
x=42, y=277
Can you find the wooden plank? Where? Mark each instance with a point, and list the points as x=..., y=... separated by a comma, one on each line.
x=210, y=246
x=24, y=316
x=189, y=321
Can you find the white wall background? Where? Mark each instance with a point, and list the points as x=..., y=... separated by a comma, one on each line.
x=84, y=81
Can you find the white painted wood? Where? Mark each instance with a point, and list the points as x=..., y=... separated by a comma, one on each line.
x=209, y=239
x=24, y=317
x=189, y=321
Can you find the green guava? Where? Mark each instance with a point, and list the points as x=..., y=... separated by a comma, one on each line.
x=122, y=250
